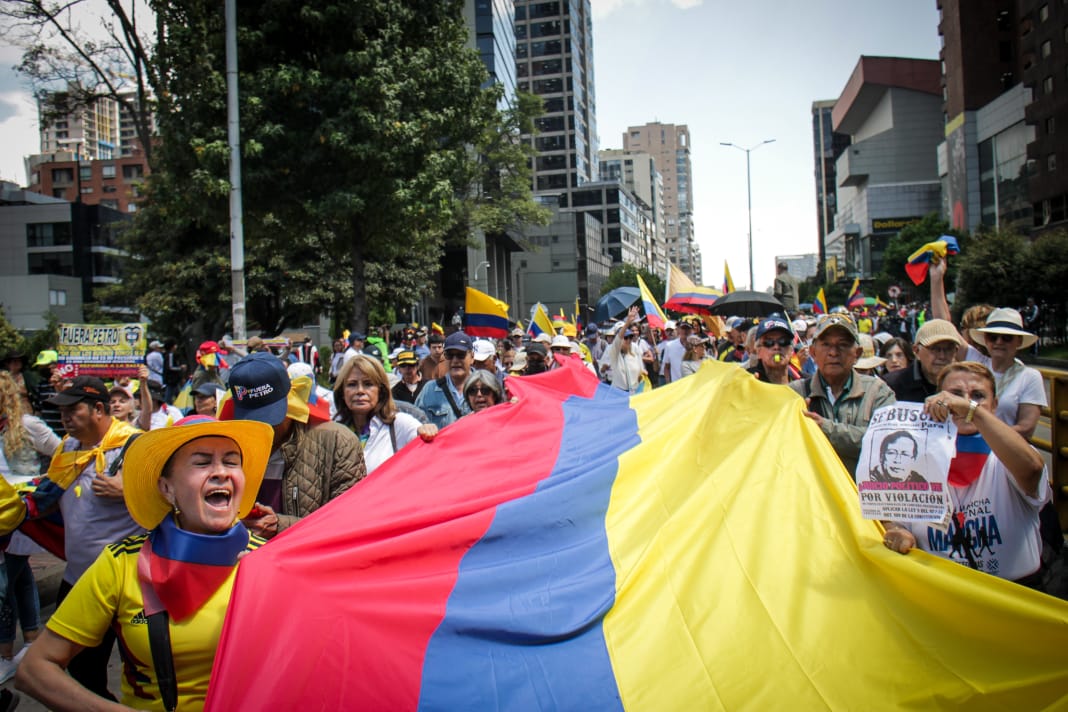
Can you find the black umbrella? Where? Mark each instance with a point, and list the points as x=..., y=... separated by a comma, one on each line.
x=615, y=303
x=747, y=304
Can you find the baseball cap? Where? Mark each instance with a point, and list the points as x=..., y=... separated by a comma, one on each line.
x=537, y=347
x=669, y=324
x=483, y=350
x=517, y=331
x=125, y=390
x=207, y=389
x=773, y=324
x=357, y=336
x=684, y=324
x=592, y=330
x=457, y=341
x=837, y=321
x=543, y=338
x=260, y=386
x=406, y=358
x=935, y=330
x=46, y=358
x=88, y=388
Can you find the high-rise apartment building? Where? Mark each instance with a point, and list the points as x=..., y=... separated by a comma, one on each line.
x=638, y=173
x=103, y=130
x=670, y=147
x=827, y=146
x=554, y=60
x=1043, y=58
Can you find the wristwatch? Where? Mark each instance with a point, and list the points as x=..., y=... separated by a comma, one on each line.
x=972, y=405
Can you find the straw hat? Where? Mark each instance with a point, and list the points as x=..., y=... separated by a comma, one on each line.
x=1004, y=321
x=145, y=458
x=868, y=360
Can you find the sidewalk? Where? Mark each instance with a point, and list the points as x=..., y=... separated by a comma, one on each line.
x=48, y=571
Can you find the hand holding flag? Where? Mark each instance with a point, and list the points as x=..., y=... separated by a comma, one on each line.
x=921, y=260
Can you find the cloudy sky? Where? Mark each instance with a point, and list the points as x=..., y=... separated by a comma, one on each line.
x=740, y=72
x=743, y=72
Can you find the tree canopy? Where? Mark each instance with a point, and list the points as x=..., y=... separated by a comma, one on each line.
x=625, y=275
x=362, y=123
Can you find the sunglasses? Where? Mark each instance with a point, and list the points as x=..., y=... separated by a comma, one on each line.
x=995, y=337
x=782, y=343
x=479, y=390
x=456, y=355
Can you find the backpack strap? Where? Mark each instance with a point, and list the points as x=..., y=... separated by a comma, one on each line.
x=448, y=396
x=393, y=437
x=159, y=642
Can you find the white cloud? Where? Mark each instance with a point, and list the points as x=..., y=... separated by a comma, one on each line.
x=686, y=4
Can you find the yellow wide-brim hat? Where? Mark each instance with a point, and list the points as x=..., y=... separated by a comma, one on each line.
x=147, y=455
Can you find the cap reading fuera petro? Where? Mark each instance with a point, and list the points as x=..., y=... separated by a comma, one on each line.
x=260, y=386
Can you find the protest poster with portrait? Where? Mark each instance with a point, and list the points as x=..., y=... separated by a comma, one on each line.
x=102, y=350
x=904, y=465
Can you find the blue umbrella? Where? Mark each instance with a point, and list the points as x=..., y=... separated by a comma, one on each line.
x=615, y=303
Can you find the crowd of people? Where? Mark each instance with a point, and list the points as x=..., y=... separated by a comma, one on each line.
x=267, y=436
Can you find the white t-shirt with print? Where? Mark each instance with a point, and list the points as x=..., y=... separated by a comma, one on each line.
x=1000, y=521
x=1018, y=385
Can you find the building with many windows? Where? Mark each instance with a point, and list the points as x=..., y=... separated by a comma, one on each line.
x=54, y=255
x=888, y=176
x=827, y=146
x=112, y=183
x=669, y=144
x=103, y=130
x=637, y=172
x=554, y=60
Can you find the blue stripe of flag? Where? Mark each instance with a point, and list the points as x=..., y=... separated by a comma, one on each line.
x=523, y=626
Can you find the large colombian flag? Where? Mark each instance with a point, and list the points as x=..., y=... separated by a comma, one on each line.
x=485, y=315
x=697, y=547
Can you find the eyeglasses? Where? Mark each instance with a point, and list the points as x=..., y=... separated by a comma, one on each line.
x=943, y=350
x=455, y=355
x=995, y=337
x=479, y=390
x=782, y=343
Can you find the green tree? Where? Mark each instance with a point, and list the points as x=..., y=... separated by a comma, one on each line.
x=625, y=275
x=907, y=241
x=362, y=123
x=994, y=270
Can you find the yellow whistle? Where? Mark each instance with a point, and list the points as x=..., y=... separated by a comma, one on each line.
x=77, y=490
x=777, y=358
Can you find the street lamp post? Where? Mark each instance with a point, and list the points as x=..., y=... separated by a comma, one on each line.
x=749, y=197
x=481, y=264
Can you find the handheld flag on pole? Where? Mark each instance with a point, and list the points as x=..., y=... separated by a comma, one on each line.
x=856, y=297
x=920, y=260
x=653, y=313
x=728, y=283
x=677, y=281
x=540, y=323
x=819, y=305
x=484, y=315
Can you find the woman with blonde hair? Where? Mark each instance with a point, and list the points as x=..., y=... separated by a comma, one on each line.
x=365, y=405
x=27, y=444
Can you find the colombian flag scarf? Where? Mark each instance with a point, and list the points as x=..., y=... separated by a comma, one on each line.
x=965, y=467
x=180, y=570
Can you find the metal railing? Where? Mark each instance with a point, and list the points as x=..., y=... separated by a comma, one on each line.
x=1057, y=444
